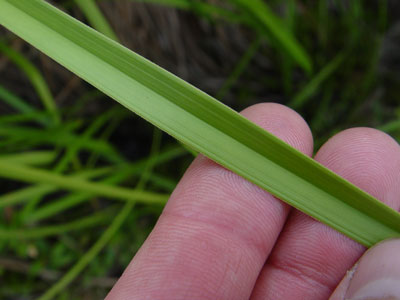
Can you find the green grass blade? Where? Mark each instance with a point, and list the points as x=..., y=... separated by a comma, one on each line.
x=71, y=200
x=239, y=68
x=197, y=120
x=106, y=133
x=163, y=182
x=31, y=158
x=96, y=18
x=36, y=79
x=111, y=230
x=24, y=194
x=14, y=171
x=61, y=136
x=28, y=193
x=390, y=126
x=74, y=199
x=96, y=219
x=181, y=4
x=301, y=98
x=89, y=255
x=75, y=148
x=270, y=23
x=41, y=117
x=27, y=111
x=14, y=101
x=201, y=8
x=70, y=155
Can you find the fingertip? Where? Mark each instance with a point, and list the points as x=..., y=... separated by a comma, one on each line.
x=375, y=276
x=366, y=136
x=283, y=122
x=368, y=158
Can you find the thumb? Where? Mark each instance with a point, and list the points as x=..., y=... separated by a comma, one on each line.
x=376, y=276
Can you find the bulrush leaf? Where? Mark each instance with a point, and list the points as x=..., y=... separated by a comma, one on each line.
x=200, y=121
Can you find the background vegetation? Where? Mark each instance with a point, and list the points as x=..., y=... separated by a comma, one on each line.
x=72, y=161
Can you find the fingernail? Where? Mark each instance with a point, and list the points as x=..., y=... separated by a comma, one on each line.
x=377, y=276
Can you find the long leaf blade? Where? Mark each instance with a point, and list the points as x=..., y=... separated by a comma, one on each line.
x=201, y=122
x=16, y=171
x=36, y=78
x=261, y=12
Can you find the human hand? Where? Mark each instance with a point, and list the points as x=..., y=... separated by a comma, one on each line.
x=221, y=237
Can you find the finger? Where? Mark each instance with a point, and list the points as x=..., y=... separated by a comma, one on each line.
x=217, y=229
x=375, y=276
x=310, y=258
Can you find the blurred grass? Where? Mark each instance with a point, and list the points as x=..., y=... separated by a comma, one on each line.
x=36, y=79
x=66, y=153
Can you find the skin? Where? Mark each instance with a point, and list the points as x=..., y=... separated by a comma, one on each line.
x=375, y=276
x=221, y=237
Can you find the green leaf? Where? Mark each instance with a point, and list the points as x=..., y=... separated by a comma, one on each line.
x=390, y=126
x=200, y=7
x=39, y=116
x=90, y=254
x=110, y=231
x=96, y=18
x=14, y=101
x=305, y=94
x=40, y=232
x=199, y=121
x=31, y=158
x=242, y=65
x=16, y=171
x=36, y=79
x=28, y=193
x=69, y=201
x=117, y=175
x=60, y=136
x=270, y=23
